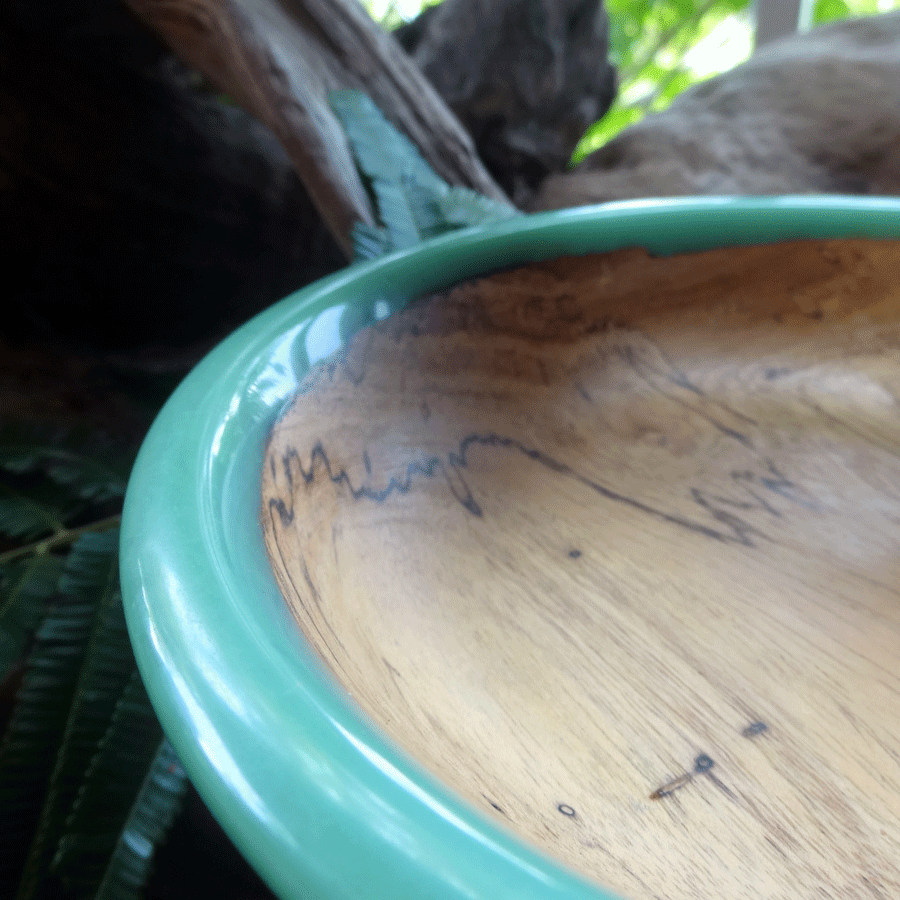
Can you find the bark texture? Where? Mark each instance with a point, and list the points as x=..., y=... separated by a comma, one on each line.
x=815, y=113
x=526, y=78
x=280, y=59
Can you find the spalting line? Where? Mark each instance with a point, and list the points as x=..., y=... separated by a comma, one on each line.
x=679, y=379
x=496, y=806
x=458, y=460
x=702, y=766
x=754, y=728
x=672, y=786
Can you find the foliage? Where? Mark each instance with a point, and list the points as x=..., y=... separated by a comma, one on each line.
x=662, y=47
x=830, y=10
x=391, y=14
x=78, y=785
x=412, y=202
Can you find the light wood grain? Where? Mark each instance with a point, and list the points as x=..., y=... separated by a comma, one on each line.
x=564, y=532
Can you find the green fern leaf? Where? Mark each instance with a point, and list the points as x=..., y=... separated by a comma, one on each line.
x=112, y=782
x=462, y=208
x=104, y=666
x=25, y=517
x=91, y=468
x=369, y=242
x=31, y=743
x=150, y=818
x=27, y=586
x=412, y=202
x=381, y=151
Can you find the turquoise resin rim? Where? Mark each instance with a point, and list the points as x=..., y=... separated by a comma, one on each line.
x=320, y=803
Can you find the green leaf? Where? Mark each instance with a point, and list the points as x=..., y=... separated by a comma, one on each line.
x=113, y=780
x=27, y=586
x=91, y=468
x=412, y=202
x=462, y=208
x=24, y=517
x=381, y=151
x=618, y=118
x=31, y=743
x=151, y=816
x=105, y=664
x=369, y=242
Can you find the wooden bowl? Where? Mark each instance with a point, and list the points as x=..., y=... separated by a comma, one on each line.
x=591, y=566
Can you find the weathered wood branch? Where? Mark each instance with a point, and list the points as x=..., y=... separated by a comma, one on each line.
x=525, y=77
x=280, y=58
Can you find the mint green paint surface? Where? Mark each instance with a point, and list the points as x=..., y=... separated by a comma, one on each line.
x=322, y=805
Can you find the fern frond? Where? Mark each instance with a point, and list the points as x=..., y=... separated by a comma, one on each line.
x=25, y=517
x=105, y=663
x=90, y=468
x=381, y=151
x=109, y=788
x=368, y=241
x=30, y=745
x=412, y=202
x=462, y=208
x=26, y=587
x=151, y=816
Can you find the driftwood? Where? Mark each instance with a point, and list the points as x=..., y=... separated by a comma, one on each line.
x=816, y=113
x=280, y=60
x=526, y=78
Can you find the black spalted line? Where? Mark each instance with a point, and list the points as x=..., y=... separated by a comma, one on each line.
x=285, y=570
x=680, y=380
x=459, y=460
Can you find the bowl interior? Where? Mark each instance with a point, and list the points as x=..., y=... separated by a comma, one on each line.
x=610, y=545
x=327, y=803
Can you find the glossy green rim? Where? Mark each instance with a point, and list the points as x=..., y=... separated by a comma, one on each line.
x=321, y=804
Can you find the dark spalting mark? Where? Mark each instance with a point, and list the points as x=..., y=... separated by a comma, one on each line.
x=772, y=480
x=745, y=479
x=778, y=482
x=394, y=671
x=494, y=805
x=284, y=514
x=679, y=379
x=542, y=370
x=772, y=374
x=703, y=764
x=425, y=410
x=574, y=554
x=272, y=468
x=754, y=728
x=817, y=315
x=288, y=474
x=451, y=469
x=743, y=531
x=566, y=810
x=584, y=394
x=722, y=787
x=672, y=786
x=367, y=462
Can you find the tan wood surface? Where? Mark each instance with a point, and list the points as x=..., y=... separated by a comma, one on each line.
x=612, y=547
